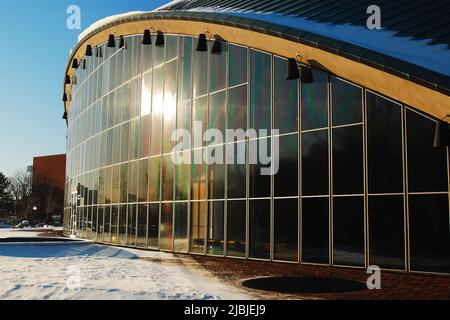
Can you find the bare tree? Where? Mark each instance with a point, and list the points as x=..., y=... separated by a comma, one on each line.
x=21, y=184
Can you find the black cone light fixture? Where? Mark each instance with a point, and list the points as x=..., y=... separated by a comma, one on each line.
x=75, y=63
x=202, y=44
x=295, y=70
x=147, y=38
x=64, y=115
x=98, y=52
x=121, y=42
x=159, y=42
x=111, y=41
x=64, y=98
x=306, y=74
x=217, y=47
x=442, y=134
x=67, y=79
x=292, y=72
x=88, y=51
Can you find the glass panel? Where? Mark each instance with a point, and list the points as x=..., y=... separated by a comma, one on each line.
x=315, y=162
x=123, y=182
x=170, y=103
x=132, y=182
x=133, y=145
x=315, y=101
x=108, y=185
x=260, y=90
x=286, y=230
x=216, y=115
x=171, y=47
x=315, y=230
x=348, y=149
x=348, y=231
x=198, y=187
x=181, y=227
x=107, y=225
x=142, y=226
x=200, y=76
x=216, y=176
x=237, y=65
x=114, y=224
x=125, y=130
x=184, y=86
x=182, y=178
x=286, y=179
x=146, y=96
x=198, y=226
x=259, y=229
x=109, y=146
x=153, y=225
x=429, y=233
x=200, y=121
x=115, y=184
x=346, y=102
x=237, y=108
x=154, y=178
x=100, y=223
x=157, y=110
x=131, y=225
x=236, y=228
x=259, y=184
x=147, y=57
x=384, y=145
x=145, y=136
x=386, y=236
x=427, y=166
x=285, y=99
x=218, y=69
x=159, y=53
x=215, y=227
x=167, y=178
x=143, y=180
x=166, y=226
x=123, y=224
x=236, y=171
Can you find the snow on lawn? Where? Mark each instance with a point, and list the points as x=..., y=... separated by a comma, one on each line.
x=50, y=270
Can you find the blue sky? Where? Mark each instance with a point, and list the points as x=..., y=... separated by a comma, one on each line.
x=34, y=48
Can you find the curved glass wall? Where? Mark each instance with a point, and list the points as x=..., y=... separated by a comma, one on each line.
x=358, y=184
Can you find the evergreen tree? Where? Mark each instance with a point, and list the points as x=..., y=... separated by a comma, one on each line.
x=6, y=199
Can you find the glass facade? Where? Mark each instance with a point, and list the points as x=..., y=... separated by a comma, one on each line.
x=358, y=184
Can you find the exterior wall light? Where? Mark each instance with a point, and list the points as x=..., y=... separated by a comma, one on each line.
x=64, y=98
x=122, y=42
x=147, y=38
x=111, y=41
x=159, y=39
x=293, y=67
x=217, y=47
x=202, y=44
x=88, y=51
x=64, y=115
x=67, y=79
x=75, y=63
x=98, y=52
x=441, y=134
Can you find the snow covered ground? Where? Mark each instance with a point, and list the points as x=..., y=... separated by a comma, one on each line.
x=84, y=270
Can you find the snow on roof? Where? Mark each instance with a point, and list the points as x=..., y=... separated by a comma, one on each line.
x=419, y=52
x=104, y=21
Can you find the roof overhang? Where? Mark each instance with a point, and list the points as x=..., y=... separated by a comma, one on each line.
x=410, y=84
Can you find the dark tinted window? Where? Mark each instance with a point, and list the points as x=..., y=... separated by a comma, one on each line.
x=215, y=227
x=259, y=229
x=315, y=102
x=285, y=99
x=346, y=102
x=286, y=179
x=384, y=145
x=315, y=234
x=348, y=231
x=314, y=154
x=286, y=229
x=260, y=90
x=429, y=233
x=236, y=228
x=386, y=232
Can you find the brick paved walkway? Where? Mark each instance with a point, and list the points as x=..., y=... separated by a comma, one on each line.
x=394, y=285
